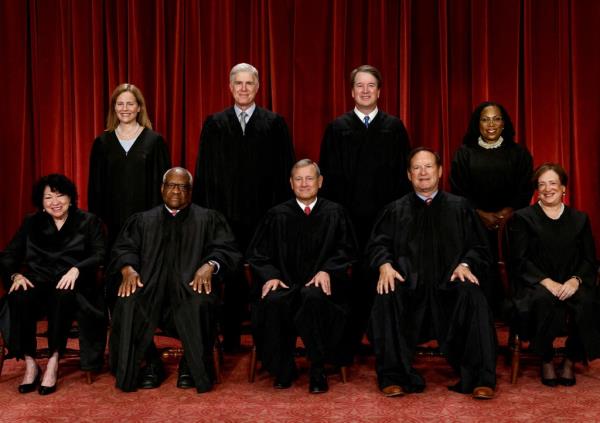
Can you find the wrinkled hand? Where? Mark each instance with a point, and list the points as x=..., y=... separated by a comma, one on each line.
x=203, y=279
x=387, y=279
x=567, y=289
x=503, y=216
x=68, y=279
x=322, y=280
x=20, y=282
x=552, y=286
x=272, y=285
x=130, y=283
x=463, y=273
x=489, y=219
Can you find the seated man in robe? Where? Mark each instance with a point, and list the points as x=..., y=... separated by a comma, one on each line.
x=300, y=257
x=167, y=257
x=431, y=252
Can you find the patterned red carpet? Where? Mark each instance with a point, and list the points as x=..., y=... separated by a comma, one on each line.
x=358, y=400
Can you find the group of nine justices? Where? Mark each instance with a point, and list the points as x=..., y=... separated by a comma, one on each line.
x=176, y=241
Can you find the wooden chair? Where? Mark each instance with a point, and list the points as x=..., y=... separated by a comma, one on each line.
x=252, y=363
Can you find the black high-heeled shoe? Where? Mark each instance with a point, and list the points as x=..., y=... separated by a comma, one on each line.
x=25, y=388
x=551, y=382
x=47, y=390
x=567, y=381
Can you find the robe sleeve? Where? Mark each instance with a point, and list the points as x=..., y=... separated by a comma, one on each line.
x=155, y=169
x=97, y=179
x=587, y=266
x=95, y=244
x=344, y=252
x=221, y=246
x=523, y=172
x=260, y=253
x=13, y=255
x=380, y=247
x=519, y=236
x=460, y=175
x=205, y=183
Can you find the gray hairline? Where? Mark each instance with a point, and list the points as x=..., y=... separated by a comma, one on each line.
x=304, y=163
x=243, y=67
x=164, y=178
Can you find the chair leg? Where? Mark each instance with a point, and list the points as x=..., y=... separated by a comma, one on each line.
x=217, y=352
x=252, y=365
x=516, y=356
x=343, y=374
x=88, y=377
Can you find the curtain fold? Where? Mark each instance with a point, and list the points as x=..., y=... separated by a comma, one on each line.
x=61, y=59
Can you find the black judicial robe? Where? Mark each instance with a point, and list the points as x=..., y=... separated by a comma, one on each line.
x=48, y=253
x=293, y=247
x=121, y=184
x=166, y=251
x=541, y=248
x=364, y=169
x=493, y=178
x=425, y=244
x=243, y=175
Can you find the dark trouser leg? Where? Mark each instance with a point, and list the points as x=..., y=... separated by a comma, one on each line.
x=361, y=300
x=471, y=338
x=195, y=320
x=277, y=332
x=235, y=304
x=389, y=331
x=23, y=307
x=320, y=323
x=61, y=310
x=547, y=320
x=583, y=325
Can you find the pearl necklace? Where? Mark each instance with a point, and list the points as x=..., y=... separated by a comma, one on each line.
x=121, y=135
x=490, y=145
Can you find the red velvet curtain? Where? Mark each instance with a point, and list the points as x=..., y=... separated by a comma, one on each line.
x=60, y=60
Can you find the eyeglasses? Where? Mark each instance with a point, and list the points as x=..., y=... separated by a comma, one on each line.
x=182, y=187
x=493, y=119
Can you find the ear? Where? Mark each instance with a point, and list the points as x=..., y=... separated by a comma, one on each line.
x=320, y=181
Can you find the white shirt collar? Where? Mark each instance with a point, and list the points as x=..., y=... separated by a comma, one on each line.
x=425, y=197
x=248, y=111
x=172, y=210
x=371, y=115
x=302, y=205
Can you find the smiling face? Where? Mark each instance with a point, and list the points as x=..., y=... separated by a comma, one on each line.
x=365, y=92
x=56, y=204
x=491, y=124
x=550, y=189
x=306, y=184
x=127, y=108
x=424, y=173
x=243, y=88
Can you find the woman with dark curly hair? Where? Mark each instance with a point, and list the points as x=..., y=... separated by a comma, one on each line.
x=50, y=266
x=554, y=261
x=493, y=172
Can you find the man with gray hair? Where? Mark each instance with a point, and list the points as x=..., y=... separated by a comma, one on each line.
x=165, y=259
x=300, y=257
x=242, y=169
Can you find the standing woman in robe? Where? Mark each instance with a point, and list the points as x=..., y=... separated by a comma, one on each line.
x=127, y=162
x=50, y=265
x=554, y=271
x=493, y=172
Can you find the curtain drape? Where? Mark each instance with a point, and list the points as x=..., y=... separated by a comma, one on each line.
x=60, y=60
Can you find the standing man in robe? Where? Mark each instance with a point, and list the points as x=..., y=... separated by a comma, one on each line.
x=166, y=258
x=432, y=255
x=300, y=256
x=242, y=169
x=363, y=158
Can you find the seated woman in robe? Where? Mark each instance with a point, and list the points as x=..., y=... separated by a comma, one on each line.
x=555, y=272
x=50, y=265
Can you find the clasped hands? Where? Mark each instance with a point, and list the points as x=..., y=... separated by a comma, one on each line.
x=321, y=280
x=388, y=276
x=562, y=291
x=202, y=282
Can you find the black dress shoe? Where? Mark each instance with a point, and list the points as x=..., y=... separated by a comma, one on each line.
x=282, y=383
x=184, y=376
x=318, y=384
x=567, y=381
x=152, y=375
x=25, y=388
x=47, y=390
